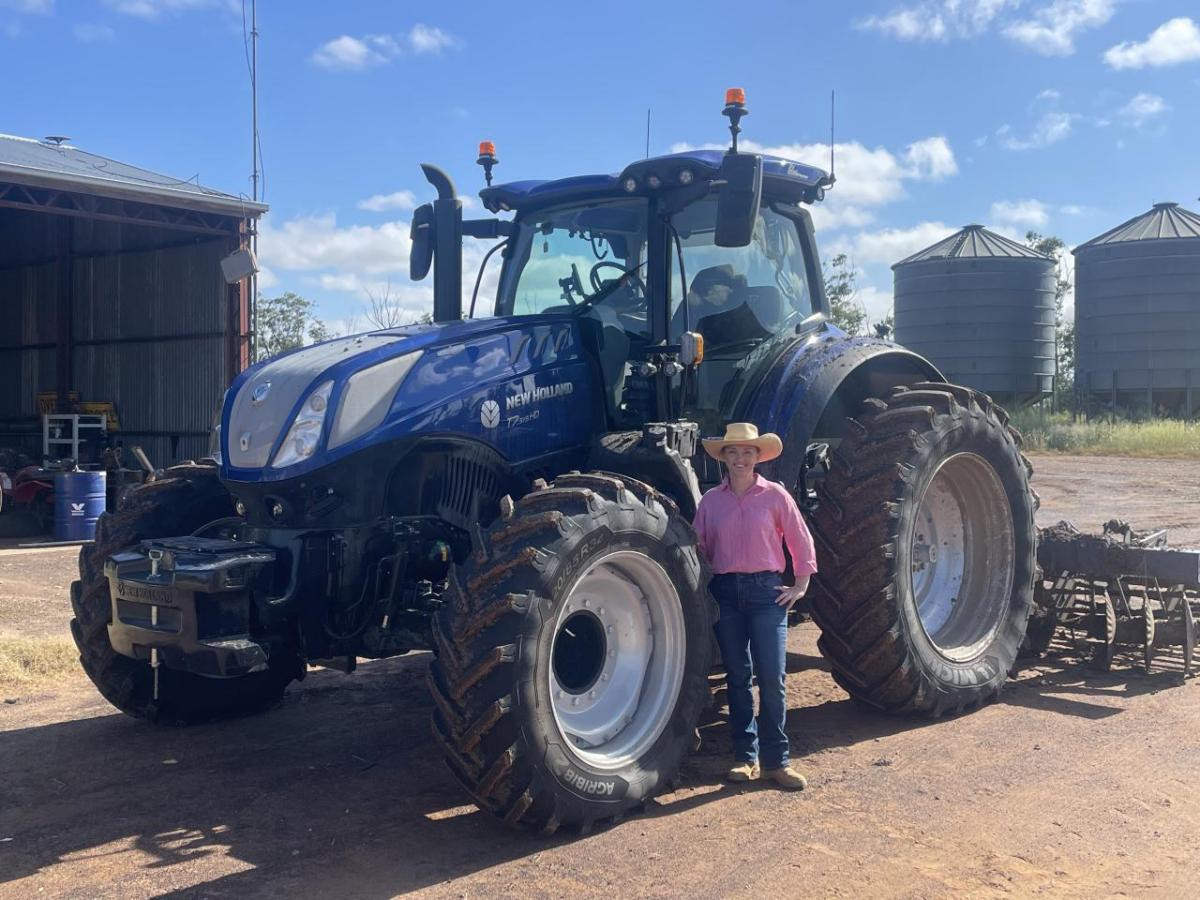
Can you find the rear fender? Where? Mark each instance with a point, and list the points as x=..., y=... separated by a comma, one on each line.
x=815, y=385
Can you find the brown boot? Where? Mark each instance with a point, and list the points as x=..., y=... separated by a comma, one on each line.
x=787, y=778
x=743, y=772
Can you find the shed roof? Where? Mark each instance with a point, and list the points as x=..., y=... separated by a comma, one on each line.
x=974, y=242
x=54, y=165
x=1165, y=221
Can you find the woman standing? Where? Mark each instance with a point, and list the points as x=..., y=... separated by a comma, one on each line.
x=743, y=525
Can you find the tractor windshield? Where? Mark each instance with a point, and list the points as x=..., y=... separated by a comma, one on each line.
x=585, y=259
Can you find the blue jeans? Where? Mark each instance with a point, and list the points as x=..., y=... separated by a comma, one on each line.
x=752, y=632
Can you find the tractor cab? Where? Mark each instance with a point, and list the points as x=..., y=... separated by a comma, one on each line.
x=638, y=275
x=701, y=249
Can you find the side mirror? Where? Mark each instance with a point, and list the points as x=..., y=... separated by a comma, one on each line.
x=738, y=199
x=420, y=257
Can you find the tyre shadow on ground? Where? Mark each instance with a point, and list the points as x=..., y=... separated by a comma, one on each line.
x=340, y=791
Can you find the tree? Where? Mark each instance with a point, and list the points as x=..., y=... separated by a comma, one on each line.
x=886, y=327
x=841, y=289
x=388, y=312
x=285, y=323
x=1064, y=329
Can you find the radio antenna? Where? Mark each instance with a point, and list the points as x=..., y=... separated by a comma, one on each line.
x=647, y=132
x=832, y=142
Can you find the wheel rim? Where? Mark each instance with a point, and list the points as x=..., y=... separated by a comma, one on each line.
x=962, y=550
x=617, y=659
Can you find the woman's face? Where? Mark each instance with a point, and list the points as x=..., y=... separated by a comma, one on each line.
x=740, y=458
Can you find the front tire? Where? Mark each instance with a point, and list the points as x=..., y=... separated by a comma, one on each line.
x=180, y=501
x=573, y=653
x=926, y=547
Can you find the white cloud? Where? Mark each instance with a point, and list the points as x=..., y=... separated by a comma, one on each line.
x=315, y=253
x=890, y=245
x=354, y=54
x=38, y=7
x=152, y=9
x=386, y=202
x=1051, y=30
x=938, y=20
x=92, y=34
x=1173, y=42
x=351, y=54
x=1025, y=214
x=1052, y=127
x=312, y=243
x=827, y=217
x=931, y=159
x=430, y=39
x=866, y=176
x=878, y=303
x=1142, y=108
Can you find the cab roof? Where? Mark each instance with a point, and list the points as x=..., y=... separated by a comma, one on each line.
x=782, y=179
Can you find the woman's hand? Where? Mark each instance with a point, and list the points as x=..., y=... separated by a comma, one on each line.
x=789, y=595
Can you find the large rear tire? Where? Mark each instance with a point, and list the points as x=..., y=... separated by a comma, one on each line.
x=183, y=499
x=926, y=546
x=573, y=653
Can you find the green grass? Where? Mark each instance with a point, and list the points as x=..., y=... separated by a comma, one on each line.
x=27, y=660
x=1155, y=438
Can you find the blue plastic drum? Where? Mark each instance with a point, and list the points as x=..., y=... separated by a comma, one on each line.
x=78, y=502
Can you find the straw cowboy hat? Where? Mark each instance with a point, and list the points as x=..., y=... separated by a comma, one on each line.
x=745, y=434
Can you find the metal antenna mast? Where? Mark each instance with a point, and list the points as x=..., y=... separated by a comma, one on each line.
x=253, y=282
x=254, y=96
x=647, y=132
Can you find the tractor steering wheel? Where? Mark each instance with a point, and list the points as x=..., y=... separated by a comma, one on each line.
x=598, y=283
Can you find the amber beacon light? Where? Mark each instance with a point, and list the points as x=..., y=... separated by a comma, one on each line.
x=487, y=159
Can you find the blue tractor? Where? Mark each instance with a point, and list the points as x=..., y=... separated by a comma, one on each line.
x=514, y=492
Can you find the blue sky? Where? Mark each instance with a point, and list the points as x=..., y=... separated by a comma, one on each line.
x=1068, y=116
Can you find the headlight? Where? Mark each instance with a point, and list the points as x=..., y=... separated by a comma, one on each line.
x=305, y=433
x=368, y=396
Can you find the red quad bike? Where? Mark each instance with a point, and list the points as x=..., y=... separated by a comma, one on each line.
x=33, y=492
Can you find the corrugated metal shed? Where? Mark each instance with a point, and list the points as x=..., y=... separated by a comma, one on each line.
x=974, y=242
x=49, y=164
x=111, y=290
x=1164, y=222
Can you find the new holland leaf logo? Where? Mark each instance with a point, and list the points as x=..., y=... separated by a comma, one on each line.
x=489, y=414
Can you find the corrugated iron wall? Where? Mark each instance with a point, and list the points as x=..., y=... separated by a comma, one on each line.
x=149, y=334
x=27, y=323
x=148, y=328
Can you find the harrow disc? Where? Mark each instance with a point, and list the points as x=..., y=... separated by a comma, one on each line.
x=1148, y=645
x=1189, y=638
x=1104, y=634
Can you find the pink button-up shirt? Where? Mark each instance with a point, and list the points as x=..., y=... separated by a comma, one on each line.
x=748, y=533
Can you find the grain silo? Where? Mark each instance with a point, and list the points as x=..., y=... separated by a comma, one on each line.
x=981, y=308
x=1137, y=314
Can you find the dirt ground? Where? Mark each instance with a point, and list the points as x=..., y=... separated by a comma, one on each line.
x=1073, y=785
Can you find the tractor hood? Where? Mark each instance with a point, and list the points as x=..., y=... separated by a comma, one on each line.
x=302, y=409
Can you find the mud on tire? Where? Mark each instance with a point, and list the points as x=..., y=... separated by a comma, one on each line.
x=931, y=474
x=181, y=500
x=521, y=622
